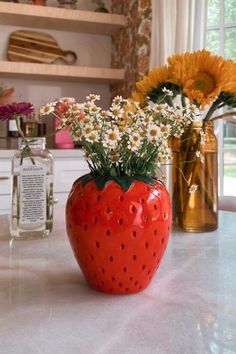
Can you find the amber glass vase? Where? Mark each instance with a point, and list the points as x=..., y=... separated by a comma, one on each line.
x=195, y=179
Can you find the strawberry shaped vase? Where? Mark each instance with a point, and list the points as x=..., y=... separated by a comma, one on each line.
x=118, y=229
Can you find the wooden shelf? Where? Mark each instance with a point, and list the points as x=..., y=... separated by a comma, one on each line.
x=60, y=72
x=46, y=17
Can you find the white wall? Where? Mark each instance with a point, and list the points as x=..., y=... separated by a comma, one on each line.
x=91, y=50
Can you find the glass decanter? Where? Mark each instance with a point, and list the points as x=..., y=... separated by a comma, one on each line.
x=31, y=190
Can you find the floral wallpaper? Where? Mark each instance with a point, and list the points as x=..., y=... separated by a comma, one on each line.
x=131, y=46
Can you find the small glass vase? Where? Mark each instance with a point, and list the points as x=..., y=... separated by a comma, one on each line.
x=195, y=179
x=32, y=190
x=67, y=4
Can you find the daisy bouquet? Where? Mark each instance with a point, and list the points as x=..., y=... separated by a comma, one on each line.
x=127, y=140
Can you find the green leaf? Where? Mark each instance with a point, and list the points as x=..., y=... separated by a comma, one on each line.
x=145, y=179
x=113, y=172
x=84, y=179
x=124, y=182
x=101, y=181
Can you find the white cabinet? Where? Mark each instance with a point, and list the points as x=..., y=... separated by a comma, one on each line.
x=68, y=166
x=5, y=185
x=66, y=171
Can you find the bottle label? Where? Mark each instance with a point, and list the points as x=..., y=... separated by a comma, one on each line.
x=12, y=125
x=32, y=194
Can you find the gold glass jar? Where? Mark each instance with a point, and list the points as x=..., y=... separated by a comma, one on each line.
x=195, y=179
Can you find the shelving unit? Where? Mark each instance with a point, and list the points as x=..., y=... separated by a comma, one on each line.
x=44, y=17
x=56, y=18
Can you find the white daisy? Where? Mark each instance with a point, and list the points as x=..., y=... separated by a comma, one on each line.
x=153, y=132
x=112, y=137
x=134, y=141
x=48, y=108
x=168, y=92
x=93, y=97
x=92, y=137
x=116, y=111
x=117, y=100
x=67, y=100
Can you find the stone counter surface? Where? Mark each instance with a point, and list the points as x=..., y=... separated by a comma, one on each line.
x=46, y=306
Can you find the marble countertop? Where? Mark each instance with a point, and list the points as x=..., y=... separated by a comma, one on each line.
x=190, y=308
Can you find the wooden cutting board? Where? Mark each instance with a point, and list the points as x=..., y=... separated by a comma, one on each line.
x=37, y=47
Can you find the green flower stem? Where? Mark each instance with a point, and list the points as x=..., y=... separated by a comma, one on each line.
x=169, y=101
x=27, y=150
x=183, y=102
x=212, y=109
x=19, y=127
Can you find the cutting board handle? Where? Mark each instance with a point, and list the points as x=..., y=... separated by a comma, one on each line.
x=69, y=57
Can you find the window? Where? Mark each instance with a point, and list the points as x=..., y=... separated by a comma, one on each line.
x=221, y=39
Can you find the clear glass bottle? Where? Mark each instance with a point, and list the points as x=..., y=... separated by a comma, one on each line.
x=32, y=190
x=30, y=126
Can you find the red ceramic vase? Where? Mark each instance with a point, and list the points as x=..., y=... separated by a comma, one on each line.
x=118, y=237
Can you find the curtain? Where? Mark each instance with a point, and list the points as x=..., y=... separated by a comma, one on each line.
x=131, y=46
x=178, y=26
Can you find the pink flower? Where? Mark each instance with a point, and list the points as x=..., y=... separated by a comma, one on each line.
x=10, y=111
x=81, y=115
x=5, y=94
x=62, y=107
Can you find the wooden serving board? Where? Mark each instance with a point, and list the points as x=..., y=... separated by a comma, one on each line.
x=37, y=47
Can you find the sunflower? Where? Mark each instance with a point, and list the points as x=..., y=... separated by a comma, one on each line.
x=180, y=68
x=208, y=78
x=152, y=82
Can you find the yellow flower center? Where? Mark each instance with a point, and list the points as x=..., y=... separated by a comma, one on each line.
x=115, y=112
x=115, y=158
x=47, y=108
x=92, y=137
x=112, y=136
x=88, y=130
x=204, y=82
x=122, y=129
x=153, y=132
x=164, y=129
